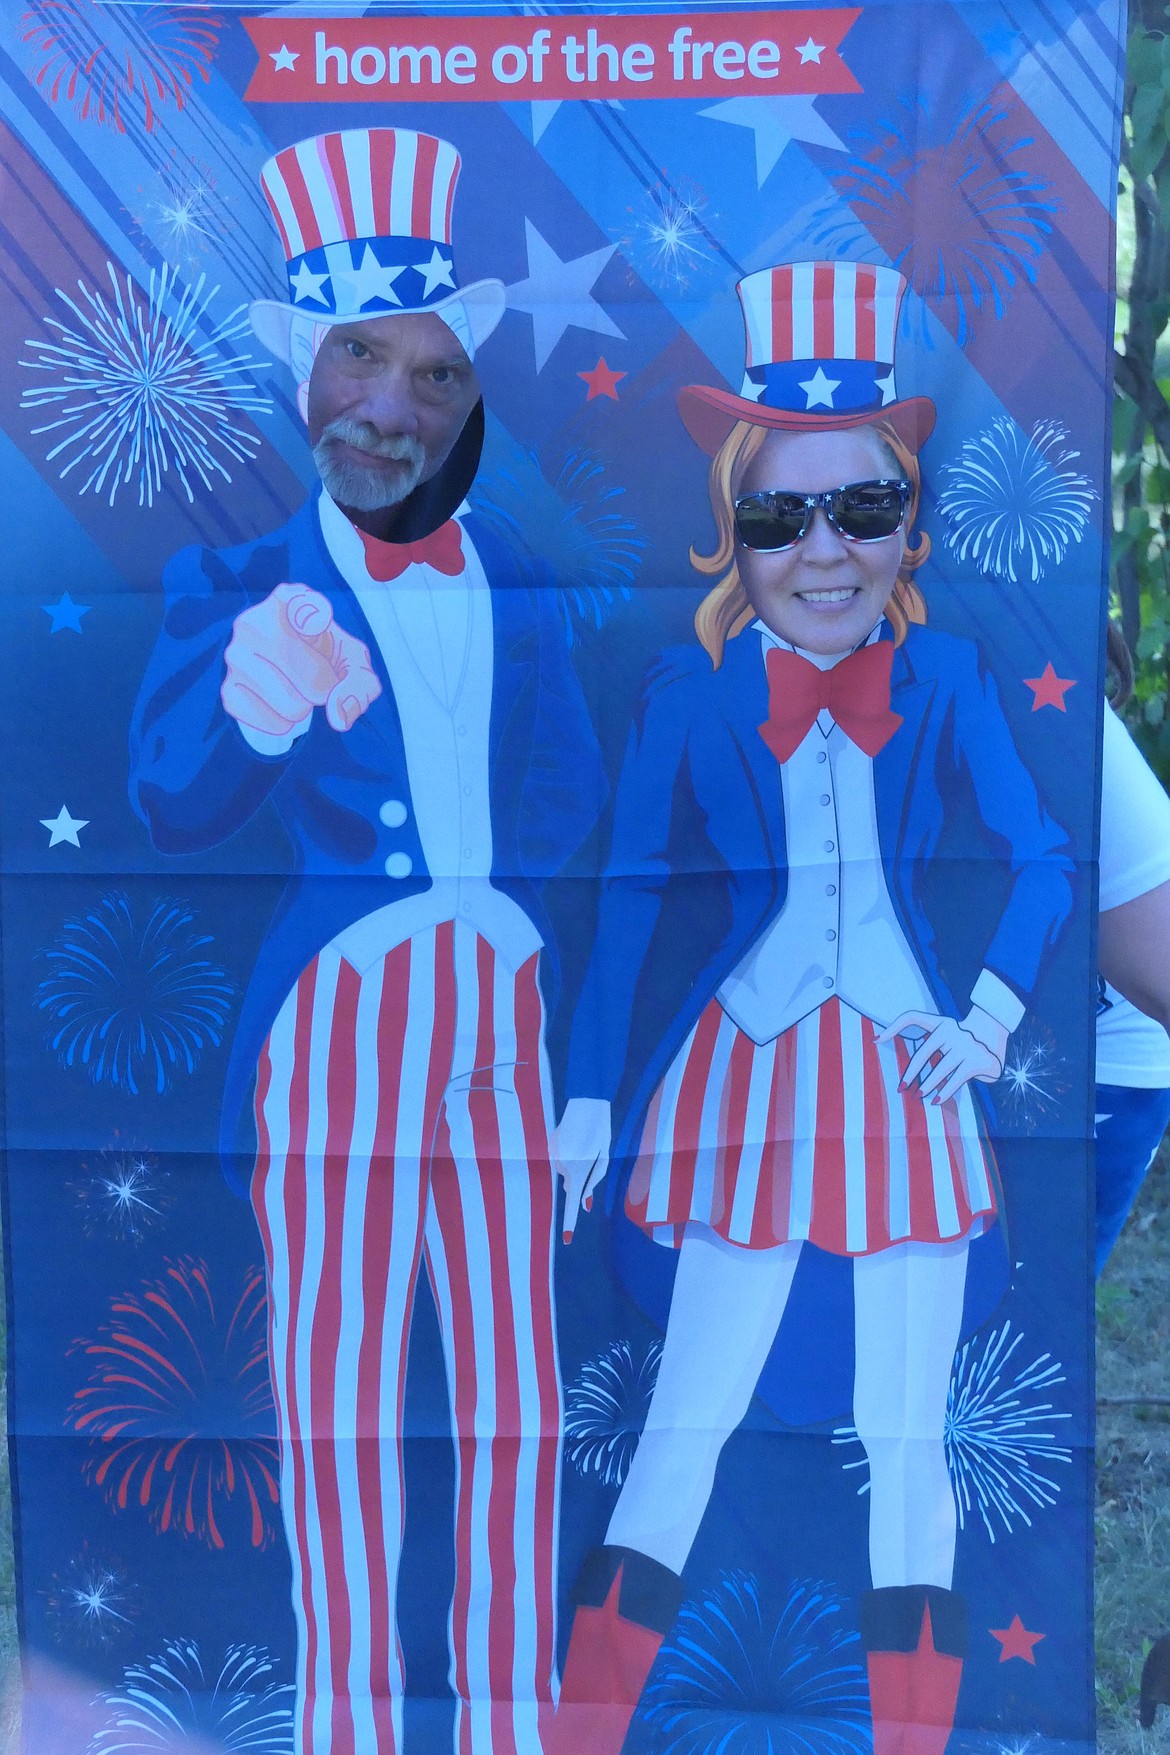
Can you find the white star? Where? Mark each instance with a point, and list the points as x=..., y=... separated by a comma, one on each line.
x=774, y=122
x=436, y=272
x=370, y=280
x=63, y=827
x=810, y=51
x=284, y=59
x=1098, y=1119
x=886, y=386
x=819, y=389
x=307, y=285
x=558, y=295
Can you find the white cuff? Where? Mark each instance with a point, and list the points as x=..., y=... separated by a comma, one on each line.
x=996, y=998
x=273, y=743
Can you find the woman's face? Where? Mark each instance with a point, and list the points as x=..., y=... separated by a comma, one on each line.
x=824, y=593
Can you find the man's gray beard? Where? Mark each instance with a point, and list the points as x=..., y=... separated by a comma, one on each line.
x=366, y=490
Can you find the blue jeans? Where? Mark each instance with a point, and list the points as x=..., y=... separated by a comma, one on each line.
x=1130, y=1125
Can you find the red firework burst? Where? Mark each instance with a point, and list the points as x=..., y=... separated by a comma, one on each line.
x=179, y=1406
x=97, y=62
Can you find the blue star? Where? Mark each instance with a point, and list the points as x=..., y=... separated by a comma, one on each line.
x=65, y=613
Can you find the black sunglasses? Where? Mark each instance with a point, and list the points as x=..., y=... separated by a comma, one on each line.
x=865, y=511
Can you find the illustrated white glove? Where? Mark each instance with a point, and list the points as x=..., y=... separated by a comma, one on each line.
x=580, y=1146
x=952, y=1053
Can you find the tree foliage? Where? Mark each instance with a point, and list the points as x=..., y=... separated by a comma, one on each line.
x=1141, y=422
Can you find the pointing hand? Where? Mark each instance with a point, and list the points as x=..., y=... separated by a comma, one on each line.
x=287, y=655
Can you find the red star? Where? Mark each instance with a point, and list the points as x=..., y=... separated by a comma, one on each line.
x=1049, y=689
x=602, y=381
x=1016, y=1641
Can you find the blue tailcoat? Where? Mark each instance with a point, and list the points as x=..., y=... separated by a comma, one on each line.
x=195, y=781
x=978, y=871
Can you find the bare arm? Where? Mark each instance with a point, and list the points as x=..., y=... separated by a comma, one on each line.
x=1134, y=952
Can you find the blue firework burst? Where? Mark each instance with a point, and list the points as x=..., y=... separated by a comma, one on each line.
x=746, y=1677
x=145, y=387
x=606, y=1409
x=998, y=1434
x=573, y=523
x=176, y=1700
x=1013, y=502
x=134, y=1005
x=953, y=203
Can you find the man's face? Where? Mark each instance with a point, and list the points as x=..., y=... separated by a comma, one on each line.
x=388, y=398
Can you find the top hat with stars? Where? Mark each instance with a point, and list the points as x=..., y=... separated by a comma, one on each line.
x=365, y=219
x=820, y=353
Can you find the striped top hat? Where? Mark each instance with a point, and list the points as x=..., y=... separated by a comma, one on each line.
x=365, y=219
x=820, y=353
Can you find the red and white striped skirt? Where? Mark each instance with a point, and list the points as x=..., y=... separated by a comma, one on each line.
x=807, y=1139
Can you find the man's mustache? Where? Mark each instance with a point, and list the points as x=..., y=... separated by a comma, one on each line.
x=399, y=448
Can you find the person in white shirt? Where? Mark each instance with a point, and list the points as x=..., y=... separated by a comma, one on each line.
x=833, y=887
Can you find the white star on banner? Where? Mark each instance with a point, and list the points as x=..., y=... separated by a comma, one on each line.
x=774, y=122
x=284, y=59
x=307, y=285
x=810, y=51
x=436, y=272
x=63, y=827
x=819, y=389
x=370, y=280
x=558, y=295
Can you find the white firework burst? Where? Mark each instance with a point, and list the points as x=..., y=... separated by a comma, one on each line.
x=145, y=387
x=1032, y=1080
x=1013, y=502
x=668, y=237
x=124, y=1195
x=174, y=1701
x=606, y=1409
x=997, y=1438
x=89, y=1600
x=185, y=215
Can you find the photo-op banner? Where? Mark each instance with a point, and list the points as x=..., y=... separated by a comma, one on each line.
x=556, y=569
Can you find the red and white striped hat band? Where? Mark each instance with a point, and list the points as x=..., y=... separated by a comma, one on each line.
x=820, y=351
x=364, y=216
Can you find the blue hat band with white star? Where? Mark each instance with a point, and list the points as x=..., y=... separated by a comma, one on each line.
x=847, y=386
x=371, y=277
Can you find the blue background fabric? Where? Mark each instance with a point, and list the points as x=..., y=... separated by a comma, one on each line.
x=984, y=170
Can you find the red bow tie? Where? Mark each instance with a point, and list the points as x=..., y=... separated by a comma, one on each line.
x=442, y=550
x=856, y=692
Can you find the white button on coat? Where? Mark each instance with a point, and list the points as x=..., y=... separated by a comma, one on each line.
x=393, y=813
x=399, y=865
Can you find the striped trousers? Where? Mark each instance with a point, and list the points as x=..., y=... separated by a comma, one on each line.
x=402, y=1119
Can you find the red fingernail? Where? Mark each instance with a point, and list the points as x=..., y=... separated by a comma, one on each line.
x=588, y=1203
x=566, y=1236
